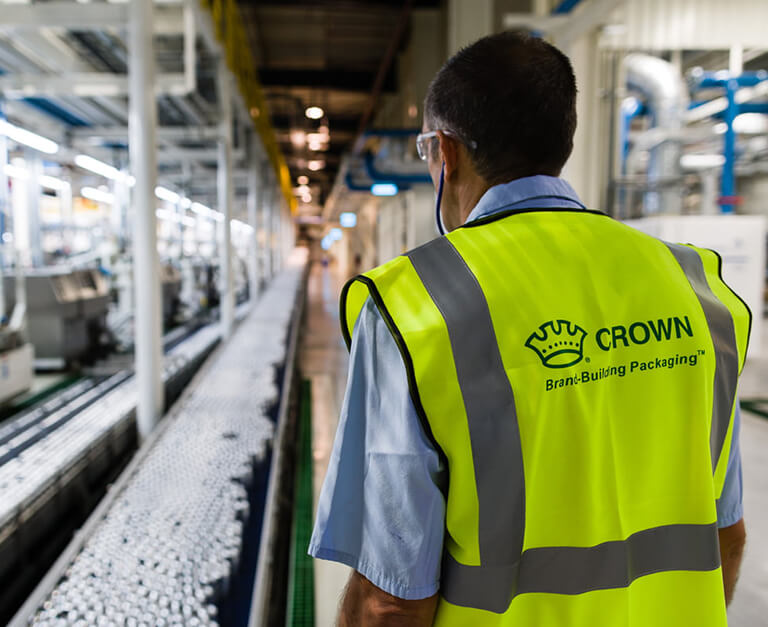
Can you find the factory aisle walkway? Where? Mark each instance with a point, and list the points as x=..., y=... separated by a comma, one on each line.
x=324, y=363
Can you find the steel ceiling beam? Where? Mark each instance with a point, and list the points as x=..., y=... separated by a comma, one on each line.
x=168, y=20
x=165, y=133
x=338, y=79
x=83, y=84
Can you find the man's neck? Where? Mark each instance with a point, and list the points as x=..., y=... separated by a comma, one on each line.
x=470, y=195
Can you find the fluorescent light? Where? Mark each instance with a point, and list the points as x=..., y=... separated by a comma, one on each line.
x=298, y=138
x=348, y=219
x=28, y=138
x=384, y=189
x=242, y=226
x=335, y=234
x=51, y=182
x=314, y=113
x=163, y=193
x=303, y=189
x=98, y=195
x=188, y=221
x=200, y=209
x=164, y=214
x=315, y=146
x=302, y=180
x=98, y=167
x=186, y=203
x=16, y=172
x=22, y=174
x=315, y=165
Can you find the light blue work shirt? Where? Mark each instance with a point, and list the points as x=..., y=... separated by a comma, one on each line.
x=381, y=509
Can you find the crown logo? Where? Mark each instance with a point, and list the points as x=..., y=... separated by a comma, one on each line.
x=558, y=343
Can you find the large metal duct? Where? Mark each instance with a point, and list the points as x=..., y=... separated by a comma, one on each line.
x=665, y=95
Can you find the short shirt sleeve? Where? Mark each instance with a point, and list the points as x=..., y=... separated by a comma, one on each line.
x=730, y=509
x=381, y=509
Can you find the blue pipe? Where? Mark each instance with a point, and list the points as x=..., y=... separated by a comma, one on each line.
x=630, y=109
x=398, y=179
x=566, y=6
x=731, y=84
x=354, y=186
x=728, y=178
x=54, y=110
x=723, y=78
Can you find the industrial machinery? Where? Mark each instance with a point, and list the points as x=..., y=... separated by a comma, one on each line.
x=66, y=313
x=170, y=284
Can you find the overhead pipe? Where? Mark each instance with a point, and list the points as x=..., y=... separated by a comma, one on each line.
x=391, y=177
x=667, y=100
x=731, y=83
x=386, y=62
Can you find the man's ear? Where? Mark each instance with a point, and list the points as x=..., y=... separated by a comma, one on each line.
x=449, y=149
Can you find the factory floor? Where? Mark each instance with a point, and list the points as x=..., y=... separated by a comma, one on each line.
x=324, y=363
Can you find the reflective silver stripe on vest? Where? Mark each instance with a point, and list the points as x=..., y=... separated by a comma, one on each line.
x=720, y=323
x=504, y=570
x=576, y=570
x=491, y=415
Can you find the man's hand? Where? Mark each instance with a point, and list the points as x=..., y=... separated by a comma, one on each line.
x=732, y=541
x=365, y=605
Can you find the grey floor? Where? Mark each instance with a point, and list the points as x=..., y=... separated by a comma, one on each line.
x=324, y=363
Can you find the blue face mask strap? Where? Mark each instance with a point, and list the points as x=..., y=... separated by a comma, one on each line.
x=438, y=217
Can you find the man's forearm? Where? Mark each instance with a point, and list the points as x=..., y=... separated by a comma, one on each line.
x=365, y=605
x=732, y=541
x=349, y=614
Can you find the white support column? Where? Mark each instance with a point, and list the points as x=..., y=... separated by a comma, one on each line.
x=146, y=263
x=266, y=223
x=736, y=59
x=34, y=191
x=3, y=214
x=224, y=189
x=468, y=22
x=254, y=173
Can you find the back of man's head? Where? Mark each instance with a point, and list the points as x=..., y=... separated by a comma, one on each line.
x=512, y=94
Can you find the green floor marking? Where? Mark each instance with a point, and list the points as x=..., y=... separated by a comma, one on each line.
x=301, y=583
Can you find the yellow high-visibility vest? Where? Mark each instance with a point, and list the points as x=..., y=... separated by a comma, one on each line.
x=579, y=379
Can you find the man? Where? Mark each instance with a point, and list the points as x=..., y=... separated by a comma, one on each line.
x=540, y=426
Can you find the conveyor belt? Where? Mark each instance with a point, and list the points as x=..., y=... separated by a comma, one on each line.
x=165, y=545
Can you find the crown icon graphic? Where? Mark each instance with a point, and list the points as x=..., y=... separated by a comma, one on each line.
x=558, y=343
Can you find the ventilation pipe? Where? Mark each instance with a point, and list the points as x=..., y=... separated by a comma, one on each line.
x=666, y=98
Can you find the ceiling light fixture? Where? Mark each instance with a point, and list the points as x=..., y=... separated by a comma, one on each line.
x=98, y=167
x=384, y=189
x=28, y=138
x=316, y=164
x=163, y=193
x=51, y=182
x=314, y=113
x=302, y=180
x=97, y=195
x=298, y=138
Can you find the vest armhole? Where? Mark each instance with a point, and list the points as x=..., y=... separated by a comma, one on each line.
x=405, y=354
x=741, y=300
x=346, y=332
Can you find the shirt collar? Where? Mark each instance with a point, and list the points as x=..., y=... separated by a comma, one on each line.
x=526, y=193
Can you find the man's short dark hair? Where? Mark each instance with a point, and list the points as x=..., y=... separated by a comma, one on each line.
x=515, y=96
